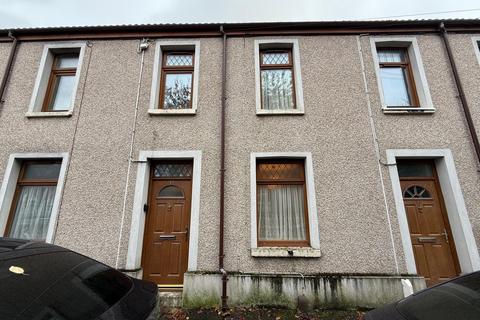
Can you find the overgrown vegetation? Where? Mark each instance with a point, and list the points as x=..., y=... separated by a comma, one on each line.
x=258, y=314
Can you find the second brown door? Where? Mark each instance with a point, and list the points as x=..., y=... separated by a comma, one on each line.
x=432, y=241
x=165, y=255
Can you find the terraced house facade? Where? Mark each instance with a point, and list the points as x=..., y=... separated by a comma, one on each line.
x=334, y=163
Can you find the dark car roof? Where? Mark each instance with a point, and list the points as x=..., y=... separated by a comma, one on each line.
x=7, y=244
x=11, y=248
x=470, y=281
x=37, y=277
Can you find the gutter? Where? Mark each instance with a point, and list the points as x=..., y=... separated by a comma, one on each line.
x=8, y=68
x=221, y=253
x=306, y=28
x=461, y=92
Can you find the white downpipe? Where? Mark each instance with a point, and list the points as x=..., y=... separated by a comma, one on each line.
x=377, y=153
x=141, y=48
x=74, y=136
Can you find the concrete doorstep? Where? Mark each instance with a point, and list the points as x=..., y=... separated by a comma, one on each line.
x=169, y=299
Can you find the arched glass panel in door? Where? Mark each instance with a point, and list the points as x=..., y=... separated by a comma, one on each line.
x=416, y=192
x=171, y=192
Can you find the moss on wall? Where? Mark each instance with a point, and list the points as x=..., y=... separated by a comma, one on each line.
x=341, y=292
x=205, y=300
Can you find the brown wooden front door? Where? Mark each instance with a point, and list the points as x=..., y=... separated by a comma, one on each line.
x=165, y=253
x=432, y=241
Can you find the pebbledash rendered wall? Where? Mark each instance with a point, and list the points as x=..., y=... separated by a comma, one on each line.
x=360, y=240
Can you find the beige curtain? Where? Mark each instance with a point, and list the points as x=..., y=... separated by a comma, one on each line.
x=281, y=212
x=33, y=211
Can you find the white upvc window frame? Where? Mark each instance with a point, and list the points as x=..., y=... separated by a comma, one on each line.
x=43, y=76
x=421, y=85
x=476, y=46
x=161, y=46
x=313, y=251
x=261, y=44
x=9, y=185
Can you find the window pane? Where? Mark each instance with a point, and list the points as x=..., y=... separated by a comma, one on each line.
x=389, y=55
x=32, y=214
x=67, y=61
x=281, y=212
x=171, y=192
x=277, y=89
x=394, y=86
x=62, y=94
x=275, y=58
x=414, y=169
x=178, y=91
x=42, y=171
x=416, y=192
x=179, y=60
x=172, y=170
x=280, y=171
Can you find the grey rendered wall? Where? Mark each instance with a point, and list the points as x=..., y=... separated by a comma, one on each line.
x=4, y=52
x=335, y=129
x=445, y=129
x=187, y=132
x=89, y=205
x=91, y=211
x=20, y=134
x=354, y=234
x=468, y=65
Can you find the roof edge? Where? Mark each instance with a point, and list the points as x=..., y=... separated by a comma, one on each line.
x=245, y=29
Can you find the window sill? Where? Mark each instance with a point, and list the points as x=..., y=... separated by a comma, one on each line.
x=407, y=110
x=261, y=112
x=287, y=252
x=171, y=112
x=37, y=114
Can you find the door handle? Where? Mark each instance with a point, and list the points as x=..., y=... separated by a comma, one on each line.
x=185, y=233
x=445, y=234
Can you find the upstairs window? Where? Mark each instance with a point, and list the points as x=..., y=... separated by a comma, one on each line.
x=277, y=81
x=61, y=84
x=177, y=80
x=58, y=78
x=278, y=77
x=396, y=75
x=476, y=44
x=402, y=82
x=282, y=214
